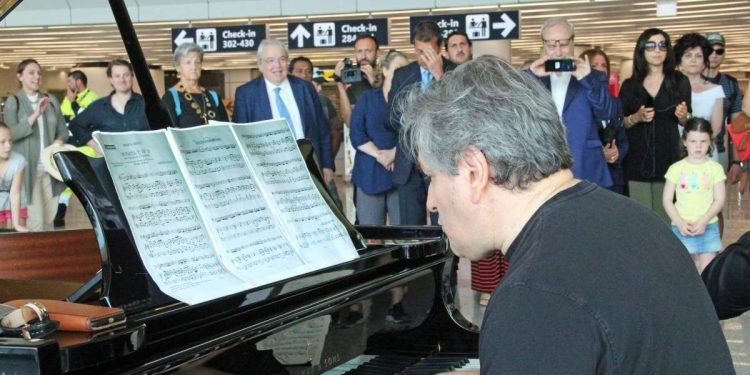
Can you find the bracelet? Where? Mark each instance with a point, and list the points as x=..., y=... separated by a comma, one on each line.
x=630, y=119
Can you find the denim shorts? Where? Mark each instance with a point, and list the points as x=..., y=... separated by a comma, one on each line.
x=708, y=242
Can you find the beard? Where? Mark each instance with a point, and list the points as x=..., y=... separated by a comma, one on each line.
x=366, y=62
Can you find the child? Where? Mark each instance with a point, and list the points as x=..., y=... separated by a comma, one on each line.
x=699, y=184
x=12, y=197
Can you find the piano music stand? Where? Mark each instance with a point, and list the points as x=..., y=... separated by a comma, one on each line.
x=123, y=279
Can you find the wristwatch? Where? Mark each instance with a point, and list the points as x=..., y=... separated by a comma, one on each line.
x=30, y=321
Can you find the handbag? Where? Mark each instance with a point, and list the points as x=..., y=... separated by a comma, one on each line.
x=739, y=132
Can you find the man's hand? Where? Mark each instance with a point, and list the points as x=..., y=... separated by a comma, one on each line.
x=369, y=73
x=537, y=67
x=337, y=69
x=327, y=175
x=71, y=94
x=583, y=67
x=611, y=153
x=432, y=62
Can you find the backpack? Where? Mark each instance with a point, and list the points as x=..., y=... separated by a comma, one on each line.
x=176, y=99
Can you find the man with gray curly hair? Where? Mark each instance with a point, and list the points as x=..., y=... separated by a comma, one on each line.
x=587, y=291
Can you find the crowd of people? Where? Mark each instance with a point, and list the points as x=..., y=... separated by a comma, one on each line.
x=454, y=140
x=625, y=140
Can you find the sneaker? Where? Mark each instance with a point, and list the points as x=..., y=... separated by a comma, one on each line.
x=59, y=220
x=396, y=314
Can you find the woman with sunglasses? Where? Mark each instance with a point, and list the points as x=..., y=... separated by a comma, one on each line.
x=655, y=100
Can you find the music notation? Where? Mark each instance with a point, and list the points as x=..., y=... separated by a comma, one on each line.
x=222, y=208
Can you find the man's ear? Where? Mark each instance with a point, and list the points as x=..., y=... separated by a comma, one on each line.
x=476, y=169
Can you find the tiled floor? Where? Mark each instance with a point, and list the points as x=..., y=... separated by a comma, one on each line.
x=736, y=212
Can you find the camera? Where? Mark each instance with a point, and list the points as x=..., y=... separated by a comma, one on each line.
x=350, y=73
x=565, y=65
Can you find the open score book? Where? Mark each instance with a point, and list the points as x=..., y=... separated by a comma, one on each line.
x=222, y=208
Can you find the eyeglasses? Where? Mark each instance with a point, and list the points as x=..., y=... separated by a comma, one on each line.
x=719, y=51
x=651, y=46
x=561, y=42
x=271, y=60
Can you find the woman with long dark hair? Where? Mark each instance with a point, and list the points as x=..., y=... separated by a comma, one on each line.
x=655, y=100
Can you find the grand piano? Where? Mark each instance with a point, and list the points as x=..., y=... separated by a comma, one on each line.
x=391, y=310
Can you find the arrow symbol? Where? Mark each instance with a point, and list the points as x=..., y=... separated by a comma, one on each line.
x=300, y=33
x=181, y=38
x=508, y=25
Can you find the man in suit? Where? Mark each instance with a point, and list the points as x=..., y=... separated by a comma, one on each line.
x=430, y=66
x=276, y=95
x=582, y=100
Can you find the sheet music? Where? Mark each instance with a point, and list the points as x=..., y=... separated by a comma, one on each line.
x=300, y=344
x=248, y=236
x=170, y=237
x=276, y=160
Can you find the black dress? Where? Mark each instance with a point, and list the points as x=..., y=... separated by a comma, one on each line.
x=654, y=145
x=188, y=116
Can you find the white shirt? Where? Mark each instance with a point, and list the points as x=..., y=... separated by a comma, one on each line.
x=34, y=99
x=559, y=88
x=287, y=96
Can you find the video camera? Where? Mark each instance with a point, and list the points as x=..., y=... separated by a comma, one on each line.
x=350, y=73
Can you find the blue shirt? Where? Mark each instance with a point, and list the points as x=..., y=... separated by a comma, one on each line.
x=368, y=124
x=100, y=115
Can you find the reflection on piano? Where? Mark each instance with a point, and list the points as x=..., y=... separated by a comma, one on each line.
x=395, y=303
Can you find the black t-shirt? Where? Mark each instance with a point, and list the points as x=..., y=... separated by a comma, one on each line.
x=356, y=89
x=599, y=285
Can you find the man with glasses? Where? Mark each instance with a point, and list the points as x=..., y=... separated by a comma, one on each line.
x=277, y=95
x=733, y=97
x=582, y=100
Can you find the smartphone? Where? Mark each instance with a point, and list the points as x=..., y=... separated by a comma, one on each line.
x=648, y=102
x=565, y=65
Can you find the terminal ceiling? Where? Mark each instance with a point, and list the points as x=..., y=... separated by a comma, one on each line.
x=611, y=24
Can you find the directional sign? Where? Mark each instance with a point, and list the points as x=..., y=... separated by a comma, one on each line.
x=221, y=38
x=329, y=34
x=478, y=26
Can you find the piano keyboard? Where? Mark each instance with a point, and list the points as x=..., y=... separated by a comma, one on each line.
x=405, y=365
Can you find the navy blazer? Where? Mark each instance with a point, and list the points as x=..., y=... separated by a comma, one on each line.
x=251, y=103
x=368, y=124
x=403, y=78
x=587, y=103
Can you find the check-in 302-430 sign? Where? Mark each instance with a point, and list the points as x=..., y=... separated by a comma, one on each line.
x=221, y=38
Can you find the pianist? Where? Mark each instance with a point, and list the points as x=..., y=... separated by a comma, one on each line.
x=597, y=283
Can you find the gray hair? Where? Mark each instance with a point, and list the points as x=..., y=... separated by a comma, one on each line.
x=488, y=105
x=270, y=42
x=558, y=21
x=184, y=49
